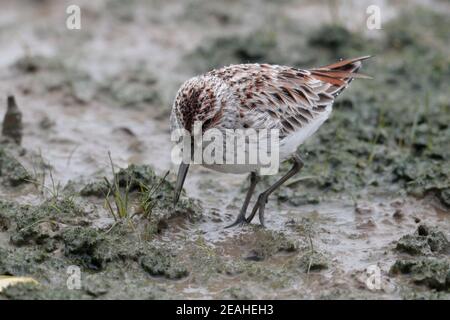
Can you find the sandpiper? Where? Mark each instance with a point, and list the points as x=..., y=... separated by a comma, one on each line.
x=261, y=96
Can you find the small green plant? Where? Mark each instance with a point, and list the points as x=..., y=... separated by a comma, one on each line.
x=147, y=193
x=120, y=198
x=38, y=179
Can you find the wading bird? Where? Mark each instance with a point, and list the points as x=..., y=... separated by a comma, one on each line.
x=261, y=96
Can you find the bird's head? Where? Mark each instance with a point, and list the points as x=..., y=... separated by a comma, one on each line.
x=201, y=99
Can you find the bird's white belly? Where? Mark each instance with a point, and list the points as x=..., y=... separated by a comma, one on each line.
x=289, y=145
x=246, y=158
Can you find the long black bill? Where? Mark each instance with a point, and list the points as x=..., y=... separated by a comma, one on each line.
x=182, y=172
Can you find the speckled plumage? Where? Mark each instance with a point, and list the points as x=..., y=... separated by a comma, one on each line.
x=263, y=96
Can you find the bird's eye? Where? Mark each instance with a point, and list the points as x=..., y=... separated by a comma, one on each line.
x=206, y=124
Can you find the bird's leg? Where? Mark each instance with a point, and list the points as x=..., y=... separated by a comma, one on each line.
x=263, y=197
x=254, y=178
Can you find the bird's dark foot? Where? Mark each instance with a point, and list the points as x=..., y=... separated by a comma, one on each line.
x=240, y=221
x=260, y=206
x=261, y=213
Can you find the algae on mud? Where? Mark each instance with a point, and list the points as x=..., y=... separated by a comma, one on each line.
x=432, y=272
x=425, y=241
x=46, y=239
x=429, y=258
x=12, y=172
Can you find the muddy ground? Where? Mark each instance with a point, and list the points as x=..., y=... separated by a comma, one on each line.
x=374, y=193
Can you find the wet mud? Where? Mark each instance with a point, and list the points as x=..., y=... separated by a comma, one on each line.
x=85, y=186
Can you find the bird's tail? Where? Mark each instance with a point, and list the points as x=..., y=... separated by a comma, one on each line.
x=340, y=74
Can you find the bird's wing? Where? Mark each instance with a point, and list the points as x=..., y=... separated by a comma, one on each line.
x=285, y=98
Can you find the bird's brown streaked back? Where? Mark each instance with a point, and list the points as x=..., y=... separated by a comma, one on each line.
x=273, y=96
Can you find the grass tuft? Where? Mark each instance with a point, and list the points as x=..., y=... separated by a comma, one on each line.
x=148, y=199
x=120, y=198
